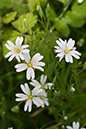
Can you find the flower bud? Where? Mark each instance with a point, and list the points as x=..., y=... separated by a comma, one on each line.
x=15, y=109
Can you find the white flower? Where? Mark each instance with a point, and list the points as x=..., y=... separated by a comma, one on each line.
x=75, y=126
x=80, y=1
x=43, y=97
x=16, y=50
x=30, y=65
x=66, y=49
x=72, y=89
x=43, y=85
x=29, y=96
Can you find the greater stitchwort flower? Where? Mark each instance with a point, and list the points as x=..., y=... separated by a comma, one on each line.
x=30, y=65
x=30, y=97
x=16, y=50
x=66, y=49
x=75, y=126
x=43, y=85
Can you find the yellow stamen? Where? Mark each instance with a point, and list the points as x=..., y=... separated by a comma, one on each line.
x=66, y=51
x=41, y=98
x=30, y=96
x=29, y=64
x=16, y=50
x=42, y=87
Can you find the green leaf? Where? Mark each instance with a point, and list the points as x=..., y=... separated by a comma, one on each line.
x=62, y=1
x=62, y=27
x=80, y=8
x=33, y=3
x=74, y=19
x=52, y=14
x=17, y=1
x=20, y=8
x=9, y=17
x=27, y=39
x=9, y=35
x=6, y=3
x=24, y=25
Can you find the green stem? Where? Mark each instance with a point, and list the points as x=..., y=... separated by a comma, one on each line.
x=80, y=71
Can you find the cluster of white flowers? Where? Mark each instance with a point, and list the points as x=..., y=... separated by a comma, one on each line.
x=38, y=95
x=75, y=126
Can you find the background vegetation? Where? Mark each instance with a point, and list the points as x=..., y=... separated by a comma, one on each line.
x=41, y=23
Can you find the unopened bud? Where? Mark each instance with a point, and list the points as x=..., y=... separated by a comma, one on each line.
x=72, y=89
x=38, y=8
x=63, y=126
x=47, y=10
x=15, y=109
x=65, y=117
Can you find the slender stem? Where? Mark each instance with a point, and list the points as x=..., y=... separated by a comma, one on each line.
x=80, y=71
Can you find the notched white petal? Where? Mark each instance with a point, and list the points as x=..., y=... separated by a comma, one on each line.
x=8, y=54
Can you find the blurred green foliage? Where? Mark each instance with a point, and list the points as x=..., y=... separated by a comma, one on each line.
x=41, y=23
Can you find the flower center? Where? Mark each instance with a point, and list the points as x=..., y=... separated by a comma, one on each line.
x=42, y=87
x=29, y=64
x=30, y=96
x=16, y=50
x=66, y=51
x=41, y=98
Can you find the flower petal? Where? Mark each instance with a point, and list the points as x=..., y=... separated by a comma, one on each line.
x=40, y=68
x=25, y=88
x=21, y=56
x=48, y=85
x=20, y=67
x=8, y=47
x=30, y=73
x=17, y=57
x=19, y=41
x=30, y=105
x=25, y=51
x=69, y=127
x=11, y=44
x=8, y=54
x=37, y=101
x=26, y=57
x=61, y=43
x=26, y=105
x=70, y=43
x=43, y=79
x=35, y=83
x=70, y=58
x=25, y=46
x=11, y=57
x=37, y=57
x=66, y=58
x=39, y=64
x=21, y=96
